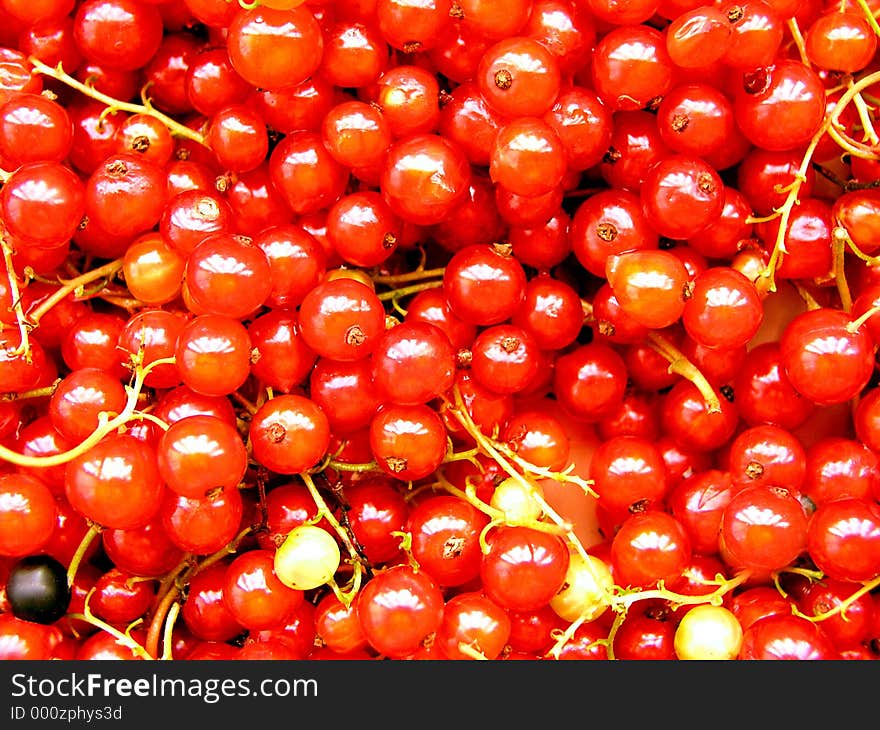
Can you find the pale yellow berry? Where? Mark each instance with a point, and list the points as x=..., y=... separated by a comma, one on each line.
x=520, y=502
x=309, y=557
x=585, y=592
x=708, y=632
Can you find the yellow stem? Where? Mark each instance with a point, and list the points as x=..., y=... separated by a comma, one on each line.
x=416, y=275
x=838, y=248
x=72, y=286
x=841, y=607
x=175, y=127
x=870, y=134
x=869, y=15
x=395, y=294
x=121, y=638
x=326, y=512
x=679, y=364
x=44, y=392
x=798, y=38
x=87, y=539
x=167, y=638
x=106, y=425
x=24, y=325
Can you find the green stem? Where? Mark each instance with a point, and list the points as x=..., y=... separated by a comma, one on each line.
x=325, y=512
x=407, y=290
x=417, y=275
x=106, y=425
x=24, y=325
x=93, y=531
x=175, y=127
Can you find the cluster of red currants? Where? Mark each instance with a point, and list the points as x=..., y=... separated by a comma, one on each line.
x=457, y=329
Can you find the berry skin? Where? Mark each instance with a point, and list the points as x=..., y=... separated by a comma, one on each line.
x=413, y=363
x=484, y=285
x=398, y=609
x=523, y=568
x=523, y=330
x=289, y=434
x=825, y=360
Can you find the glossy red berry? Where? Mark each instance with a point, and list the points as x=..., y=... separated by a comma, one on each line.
x=289, y=434
x=27, y=513
x=272, y=48
x=724, y=309
x=116, y=483
x=650, y=286
x=43, y=203
x=398, y=609
x=254, y=595
x=445, y=539
x=628, y=470
x=519, y=77
x=844, y=539
x=413, y=363
x=763, y=528
x=825, y=359
x=407, y=442
x=200, y=453
x=523, y=568
x=681, y=195
x=631, y=67
x=483, y=284
x=424, y=176
x=780, y=107
x=342, y=319
x=590, y=380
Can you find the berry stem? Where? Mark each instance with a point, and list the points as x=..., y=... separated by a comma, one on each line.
x=496, y=516
x=841, y=607
x=841, y=233
x=857, y=323
x=167, y=637
x=869, y=15
x=43, y=392
x=830, y=126
x=415, y=275
x=87, y=539
x=244, y=402
x=157, y=622
x=171, y=578
x=24, y=326
x=489, y=448
x=471, y=651
x=838, y=248
x=869, y=133
x=76, y=286
x=346, y=466
x=175, y=127
x=563, y=637
x=179, y=577
x=612, y=632
x=503, y=454
x=798, y=39
x=679, y=364
x=106, y=425
x=808, y=298
x=324, y=511
x=122, y=638
x=229, y=549
x=850, y=146
x=396, y=294
x=725, y=586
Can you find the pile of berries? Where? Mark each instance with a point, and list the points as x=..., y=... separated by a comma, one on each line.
x=457, y=329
